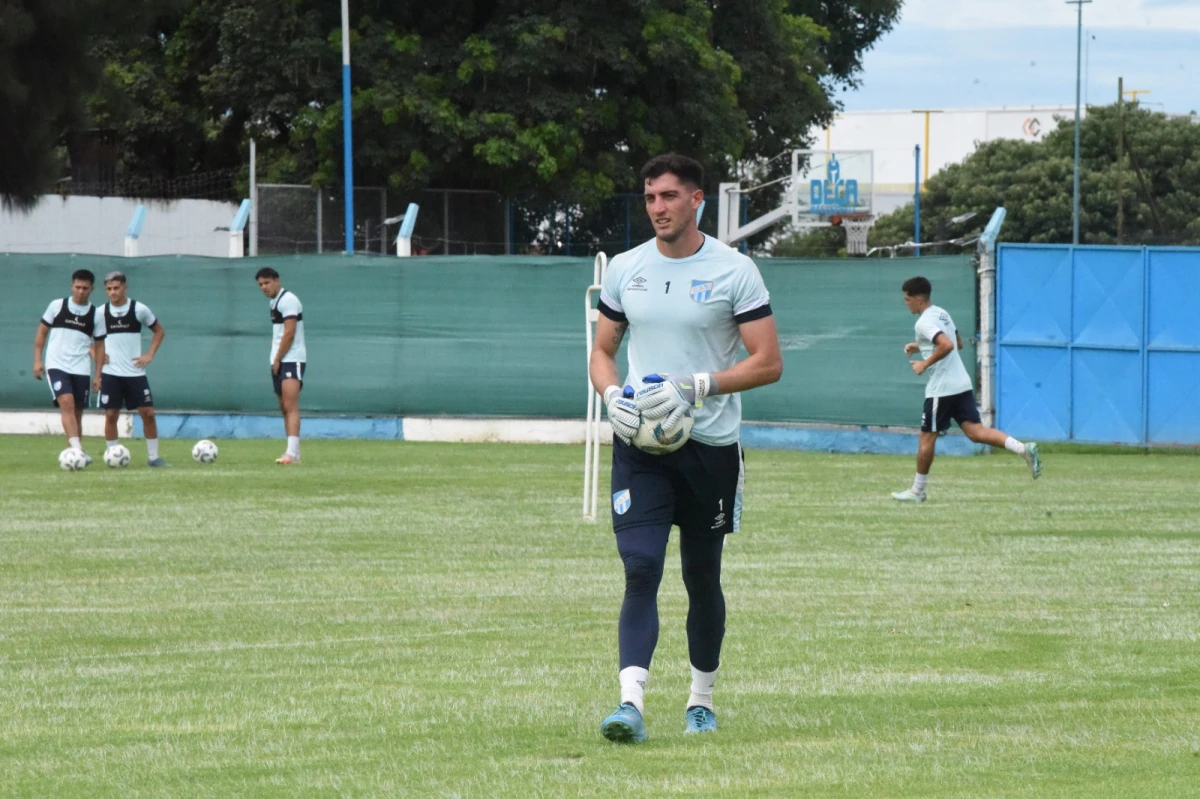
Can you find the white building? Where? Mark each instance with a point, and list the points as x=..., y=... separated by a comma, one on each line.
x=945, y=136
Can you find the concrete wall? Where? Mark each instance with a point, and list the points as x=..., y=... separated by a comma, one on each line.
x=97, y=225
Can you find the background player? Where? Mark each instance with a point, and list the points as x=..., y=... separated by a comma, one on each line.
x=689, y=303
x=287, y=356
x=949, y=394
x=66, y=332
x=123, y=379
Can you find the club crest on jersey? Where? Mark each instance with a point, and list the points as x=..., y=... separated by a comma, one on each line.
x=701, y=290
x=621, y=501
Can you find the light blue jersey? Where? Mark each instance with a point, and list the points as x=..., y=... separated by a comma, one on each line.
x=683, y=316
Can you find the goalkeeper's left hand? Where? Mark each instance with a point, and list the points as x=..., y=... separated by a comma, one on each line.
x=669, y=399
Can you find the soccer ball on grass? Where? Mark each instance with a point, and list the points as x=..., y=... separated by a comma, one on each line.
x=116, y=457
x=72, y=460
x=204, y=452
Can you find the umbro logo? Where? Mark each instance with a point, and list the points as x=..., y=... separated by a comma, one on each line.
x=638, y=284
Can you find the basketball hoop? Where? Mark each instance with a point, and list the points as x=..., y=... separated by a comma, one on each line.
x=857, y=227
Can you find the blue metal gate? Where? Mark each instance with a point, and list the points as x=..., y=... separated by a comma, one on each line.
x=1098, y=344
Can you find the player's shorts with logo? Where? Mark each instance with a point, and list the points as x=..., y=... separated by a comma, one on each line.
x=287, y=371
x=698, y=487
x=133, y=392
x=939, y=411
x=79, y=386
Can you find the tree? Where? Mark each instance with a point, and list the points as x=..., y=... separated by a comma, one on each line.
x=46, y=69
x=567, y=99
x=1159, y=179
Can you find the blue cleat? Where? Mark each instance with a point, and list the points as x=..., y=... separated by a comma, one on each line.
x=156, y=462
x=624, y=726
x=699, y=719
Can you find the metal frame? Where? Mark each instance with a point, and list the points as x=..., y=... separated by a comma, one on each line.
x=591, y=446
x=731, y=230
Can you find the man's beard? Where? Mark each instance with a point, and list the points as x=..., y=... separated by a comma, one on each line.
x=672, y=236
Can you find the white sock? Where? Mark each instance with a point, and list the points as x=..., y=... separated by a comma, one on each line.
x=633, y=686
x=293, y=446
x=110, y=444
x=702, y=688
x=919, y=483
x=74, y=442
x=152, y=448
x=1012, y=445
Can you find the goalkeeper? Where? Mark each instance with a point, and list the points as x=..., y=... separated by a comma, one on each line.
x=689, y=304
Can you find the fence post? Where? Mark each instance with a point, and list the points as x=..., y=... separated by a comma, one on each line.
x=134, y=231
x=237, y=227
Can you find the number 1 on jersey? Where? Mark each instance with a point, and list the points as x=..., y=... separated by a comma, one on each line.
x=668, y=291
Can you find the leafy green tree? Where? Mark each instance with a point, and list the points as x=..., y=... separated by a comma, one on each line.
x=1158, y=179
x=565, y=99
x=47, y=67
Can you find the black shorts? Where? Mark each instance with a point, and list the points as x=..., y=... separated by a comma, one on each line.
x=940, y=410
x=79, y=386
x=287, y=371
x=132, y=392
x=698, y=487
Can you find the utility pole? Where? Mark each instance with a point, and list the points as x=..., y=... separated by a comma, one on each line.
x=1120, y=159
x=1078, y=64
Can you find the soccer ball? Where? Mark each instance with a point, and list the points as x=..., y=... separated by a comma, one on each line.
x=71, y=460
x=204, y=452
x=651, y=438
x=116, y=457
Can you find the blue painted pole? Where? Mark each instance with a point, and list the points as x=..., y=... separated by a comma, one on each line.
x=347, y=141
x=917, y=202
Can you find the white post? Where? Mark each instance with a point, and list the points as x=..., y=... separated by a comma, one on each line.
x=591, y=446
x=987, y=323
x=237, y=227
x=404, y=236
x=253, y=200
x=134, y=232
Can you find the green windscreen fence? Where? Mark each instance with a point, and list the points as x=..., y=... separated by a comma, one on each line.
x=477, y=336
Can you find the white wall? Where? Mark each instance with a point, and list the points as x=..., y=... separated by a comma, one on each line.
x=97, y=225
x=953, y=135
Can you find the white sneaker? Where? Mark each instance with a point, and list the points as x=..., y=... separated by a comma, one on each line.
x=908, y=495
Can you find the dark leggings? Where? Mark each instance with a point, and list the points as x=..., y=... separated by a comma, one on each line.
x=644, y=550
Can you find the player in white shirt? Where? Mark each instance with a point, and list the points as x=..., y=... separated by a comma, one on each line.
x=949, y=394
x=70, y=331
x=288, y=356
x=689, y=303
x=124, y=374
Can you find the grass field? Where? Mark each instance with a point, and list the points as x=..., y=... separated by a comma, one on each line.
x=436, y=620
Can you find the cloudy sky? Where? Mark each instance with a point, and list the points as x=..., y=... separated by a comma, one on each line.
x=989, y=53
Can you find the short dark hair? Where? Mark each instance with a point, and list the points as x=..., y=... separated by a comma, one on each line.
x=688, y=170
x=266, y=271
x=84, y=274
x=917, y=287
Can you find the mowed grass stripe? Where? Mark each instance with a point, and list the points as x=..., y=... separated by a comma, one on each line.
x=409, y=619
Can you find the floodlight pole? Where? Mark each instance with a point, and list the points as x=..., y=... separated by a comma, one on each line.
x=917, y=200
x=1078, y=64
x=347, y=142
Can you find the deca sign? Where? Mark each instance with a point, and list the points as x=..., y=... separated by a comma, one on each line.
x=833, y=195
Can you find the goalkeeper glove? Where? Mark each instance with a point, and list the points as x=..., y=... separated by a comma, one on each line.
x=622, y=412
x=669, y=399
